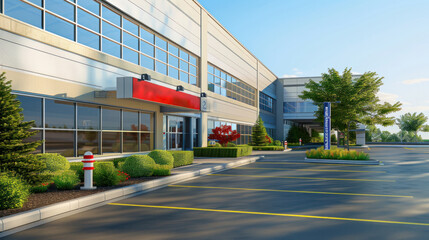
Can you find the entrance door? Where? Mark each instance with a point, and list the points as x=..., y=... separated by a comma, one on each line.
x=175, y=133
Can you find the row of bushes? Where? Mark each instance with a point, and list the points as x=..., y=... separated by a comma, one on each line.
x=268, y=148
x=340, y=154
x=238, y=151
x=64, y=175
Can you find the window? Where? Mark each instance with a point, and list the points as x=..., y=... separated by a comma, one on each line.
x=31, y=109
x=88, y=117
x=266, y=102
x=223, y=84
x=111, y=119
x=118, y=35
x=59, y=114
x=244, y=130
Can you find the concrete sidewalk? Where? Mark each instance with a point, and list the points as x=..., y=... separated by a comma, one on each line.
x=201, y=166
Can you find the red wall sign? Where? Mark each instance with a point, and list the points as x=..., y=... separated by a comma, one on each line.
x=155, y=93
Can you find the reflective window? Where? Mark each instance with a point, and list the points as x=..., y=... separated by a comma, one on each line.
x=34, y=138
x=87, y=141
x=111, y=119
x=146, y=48
x=160, y=43
x=90, y=5
x=88, y=117
x=173, y=61
x=192, y=70
x=184, y=76
x=31, y=109
x=111, y=16
x=87, y=20
x=61, y=8
x=131, y=143
x=130, y=26
x=131, y=121
x=131, y=41
x=161, y=55
x=146, y=140
x=184, y=55
x=59, y=114
x=111, y=142
x=146, y=62
x=130, y=55
x=23, y=12
x=145, y=122
x=173, y=49
x=37, y=2
x=61, y=142
x=59, y=26
x=111, y=48
x=193, y=80
x=173, y=72
x=161, y=68
x=111, y=31
x=146, y=35
x=184, y=66
x=88, y=38
x=193, y=60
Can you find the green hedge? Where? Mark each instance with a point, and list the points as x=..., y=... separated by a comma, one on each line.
x=268, y=148
x=77, y=167
x=239, y=151
x=182, y=158
x=54, y=161
x=14, y=192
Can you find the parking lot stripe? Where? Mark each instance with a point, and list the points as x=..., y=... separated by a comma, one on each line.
x=293, y=191
x=326, y=164
x=270, y=214
x=313, y=170
x=311, y=178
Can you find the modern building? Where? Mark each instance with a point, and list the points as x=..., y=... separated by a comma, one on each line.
x=80, y=69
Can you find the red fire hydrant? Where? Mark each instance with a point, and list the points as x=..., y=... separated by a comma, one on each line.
x=88, y=168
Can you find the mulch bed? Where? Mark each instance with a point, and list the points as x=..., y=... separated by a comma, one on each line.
x=37, y=200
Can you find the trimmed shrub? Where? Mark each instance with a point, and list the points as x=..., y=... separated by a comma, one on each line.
x=335, y=153
x=77, y=167
x=66, y=180
x=239, y=151
x=120, y=165
x=268, y=148
x=138, y=166
x=123, y=176
x=116, y=161
x=277, y=143
x=105, y=174
x=54, y=161
x=182, y=158
x=230, y=144
x=14, y=192
x=161, y=170
x=162, y=157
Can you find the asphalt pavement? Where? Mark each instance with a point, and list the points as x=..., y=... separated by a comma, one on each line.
x=279, y=197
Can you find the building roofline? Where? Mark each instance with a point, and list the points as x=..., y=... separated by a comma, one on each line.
x=230, y=34
x=354, y=75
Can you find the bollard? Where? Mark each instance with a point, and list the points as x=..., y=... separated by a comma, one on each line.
x=300, y=141
x=88, y=168
x=285, y=145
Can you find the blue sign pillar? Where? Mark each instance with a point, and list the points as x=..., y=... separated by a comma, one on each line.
x=327, y=125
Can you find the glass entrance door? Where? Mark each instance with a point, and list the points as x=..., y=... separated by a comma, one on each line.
x=175, y=133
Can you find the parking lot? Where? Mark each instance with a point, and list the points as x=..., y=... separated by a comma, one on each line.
x=279, y=197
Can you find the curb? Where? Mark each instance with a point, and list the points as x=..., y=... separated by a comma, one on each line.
x=351, y=162
x=45, y=213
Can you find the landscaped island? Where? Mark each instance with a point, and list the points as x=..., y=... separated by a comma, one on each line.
x=337, y=154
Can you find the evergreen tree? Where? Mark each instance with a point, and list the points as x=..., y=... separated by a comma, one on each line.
x=15, y=155
x=259, y=134
x=297, y=132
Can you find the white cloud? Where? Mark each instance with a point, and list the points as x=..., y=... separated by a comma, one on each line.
x=357, y=73
x=387, y=97
x=417, y=109
x=289, y=76
x=415, y=81
x=295, y=69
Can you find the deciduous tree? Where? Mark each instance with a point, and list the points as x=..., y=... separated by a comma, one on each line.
x=224, y=134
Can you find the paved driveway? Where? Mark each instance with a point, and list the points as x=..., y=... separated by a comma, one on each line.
x=279, y=197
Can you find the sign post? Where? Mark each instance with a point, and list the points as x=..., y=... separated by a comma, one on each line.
x=327, y=125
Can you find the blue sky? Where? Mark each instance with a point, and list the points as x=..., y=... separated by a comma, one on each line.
x=306, y=37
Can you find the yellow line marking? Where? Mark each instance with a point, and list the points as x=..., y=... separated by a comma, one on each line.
x=270, y=214
x=409, y=148
x=293, y=191
x=312, y=170
x=336, y=179
x=326, y=164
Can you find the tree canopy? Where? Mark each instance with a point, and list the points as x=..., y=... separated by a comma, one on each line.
x=413, y=122
x=356, y=99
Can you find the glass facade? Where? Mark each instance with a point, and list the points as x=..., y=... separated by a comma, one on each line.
x=226, y=85
x=267, y=103
x=72, y=128
x=299, y=107
x=244, y=130
x=97, y=25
